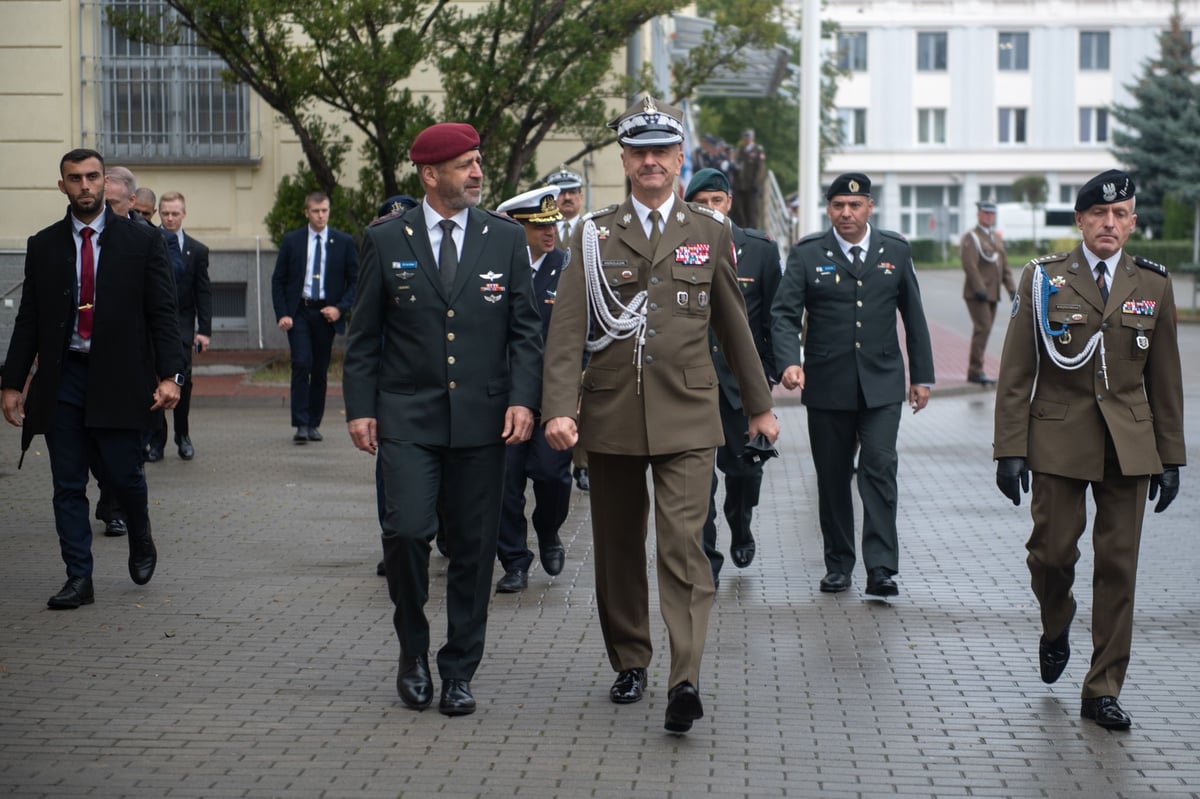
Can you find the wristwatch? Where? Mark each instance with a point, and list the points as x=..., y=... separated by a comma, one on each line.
x=179, y=379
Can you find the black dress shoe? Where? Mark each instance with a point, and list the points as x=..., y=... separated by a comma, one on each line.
x=880, y=582
x=629, y=687
x=186, y=450
x=513, y=581
x=115, y=527
x=456, y=698
x=315, y=435
x=154, y=453
x=142, y=557
x=381, y=569
x=683, y=707
x=742, y=554
x=76, y=592
x=301, y=436
x=981, y=379
x=1053, y=656
x=581, y=479
x=553, y=557
x=413, y=683
x=1105, y=711
x=835, y=583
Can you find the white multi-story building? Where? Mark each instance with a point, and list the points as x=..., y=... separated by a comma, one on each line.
x=949, y=101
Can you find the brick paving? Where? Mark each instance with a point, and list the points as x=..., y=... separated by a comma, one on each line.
x=260, y=661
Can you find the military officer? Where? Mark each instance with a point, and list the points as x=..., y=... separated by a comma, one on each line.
x=652, y=274
x=1093, y=341
x=758, y=272
x=851, y=280
x=985, y=264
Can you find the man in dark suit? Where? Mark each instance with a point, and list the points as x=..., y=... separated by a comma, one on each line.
x=649, y=399
x=442, y=370
x=312, y=288
x=98, y=315
x=758, y=272
x=1090, y=398
x=549, y=469
x=852, y=280
x=189, y=258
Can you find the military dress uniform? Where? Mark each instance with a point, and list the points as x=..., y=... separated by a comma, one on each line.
x=985, y=264
x=1109, y=425
x=854, y=379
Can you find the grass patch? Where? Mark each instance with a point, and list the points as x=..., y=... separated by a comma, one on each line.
x=279, y=370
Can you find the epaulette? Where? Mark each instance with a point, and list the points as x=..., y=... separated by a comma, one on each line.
x=761, y=235
x=600, y=212
x=506, y=218
x=891, y=234
x=1049, y=259
x=706, y=211
x=393, y=215
x=1147, y=264
x=811, y=237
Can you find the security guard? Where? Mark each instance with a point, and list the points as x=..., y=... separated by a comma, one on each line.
x=758, y=273
x=1093, y=341
x=652, y=274
x=852, y=280
x=985, y=267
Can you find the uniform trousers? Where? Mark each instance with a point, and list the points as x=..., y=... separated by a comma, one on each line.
x=620, y=504
x=743, y=482
x=833, y=436
x=983, y=316
x=472, y=478
x=311, y=342
x=550, y=471
x=1059, y=513
x=72, y=445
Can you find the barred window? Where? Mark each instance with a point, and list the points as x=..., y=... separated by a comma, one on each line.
x=164, y=104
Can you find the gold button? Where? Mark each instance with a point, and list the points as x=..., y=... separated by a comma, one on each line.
x=450, y=360
x=449, y=337
x=858, y=324
x=858, y=303
x=860, y=282
x=858, y=345
x=453, y=385
x=450, y=313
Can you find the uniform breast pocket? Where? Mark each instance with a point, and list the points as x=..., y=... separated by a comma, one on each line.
x=623, y=280
x=1138, y=332
x=693, y=289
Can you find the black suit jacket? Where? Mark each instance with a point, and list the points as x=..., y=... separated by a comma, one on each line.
x=436, y=369
x=758, y=273
x=545, y=285
x=851, y=342
x=135, y=327
x=193, y=291
x=339, y=273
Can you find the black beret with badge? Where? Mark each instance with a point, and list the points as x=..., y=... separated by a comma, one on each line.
x=851, y=183
x=648, y=123
x=1109, y=187
x=536, y=206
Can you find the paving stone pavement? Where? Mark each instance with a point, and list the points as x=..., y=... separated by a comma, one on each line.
x=261, y=662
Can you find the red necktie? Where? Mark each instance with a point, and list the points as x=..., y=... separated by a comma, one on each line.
x=87, y=283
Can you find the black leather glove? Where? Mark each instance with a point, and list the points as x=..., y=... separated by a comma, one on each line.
x=981, y=296
x=1168, y=481
x=1012, y=478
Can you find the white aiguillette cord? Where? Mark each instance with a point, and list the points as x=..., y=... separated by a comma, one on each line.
x=1041, y=293
x=601, y=299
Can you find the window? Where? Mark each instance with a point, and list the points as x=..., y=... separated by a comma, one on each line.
x=852, y=51
x=1093, y=125
x=931, y=52
x=1093, y=50
x=1067, y=193
x=931, y=125
x=929, y=211
x=1014, y=52
x=229, y=306
x=166, y=103
x=996, y=193
x=1011, y=129
x=853, y=122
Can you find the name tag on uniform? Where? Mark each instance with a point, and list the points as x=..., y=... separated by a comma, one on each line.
x=826, y=269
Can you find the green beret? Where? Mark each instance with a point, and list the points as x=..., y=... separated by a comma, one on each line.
x=708, y=179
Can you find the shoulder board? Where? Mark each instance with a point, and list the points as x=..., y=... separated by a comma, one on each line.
x=891, y=234
x=811, y=237
x=761, y=235
x=1147, y=264
x=508, y=219
x=1050, y=259
x=600, y=212
x=388, y=218
x=706, y=211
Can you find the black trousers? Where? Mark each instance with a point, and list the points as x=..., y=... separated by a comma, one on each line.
x=550, y=471
x=311, y=342
x=743, y=482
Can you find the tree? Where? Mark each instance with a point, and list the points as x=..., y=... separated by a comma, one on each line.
x=1159, y=137
x=516, y=69
x=1032, y=190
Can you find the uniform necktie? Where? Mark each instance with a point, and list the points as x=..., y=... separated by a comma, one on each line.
x=316, y=280
x=447, y=255
x=87, y=283
x=176, y=255
x=856, y=256
x=1102, y=280
x=655, y=233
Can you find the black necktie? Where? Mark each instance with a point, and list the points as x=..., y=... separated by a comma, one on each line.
x=316, y=281
x=1102, y=280
x=856, y=256
x=176, y=255
x=447, y=255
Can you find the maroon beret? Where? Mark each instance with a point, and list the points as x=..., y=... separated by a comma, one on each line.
x=441, y=142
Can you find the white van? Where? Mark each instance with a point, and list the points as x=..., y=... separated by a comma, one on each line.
x=1016, y=222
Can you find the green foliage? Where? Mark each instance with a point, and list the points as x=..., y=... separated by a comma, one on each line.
x=1031, y=190
x=1178, y=218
